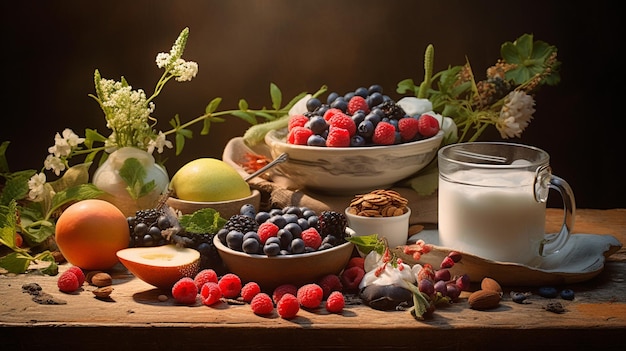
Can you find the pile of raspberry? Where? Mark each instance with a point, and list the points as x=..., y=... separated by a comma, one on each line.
x=364, y=117
x=286, y=300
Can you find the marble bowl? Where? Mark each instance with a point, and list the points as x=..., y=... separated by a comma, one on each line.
x=225, y=208
x=298, y=269
x=351, y=170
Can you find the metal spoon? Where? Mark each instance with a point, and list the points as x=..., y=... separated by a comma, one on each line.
x=280, y=159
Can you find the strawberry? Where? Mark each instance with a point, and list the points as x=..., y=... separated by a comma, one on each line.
x=338, y=137
x=384, y=134
x=428, y=126
x=409, y=127
x=357, y=103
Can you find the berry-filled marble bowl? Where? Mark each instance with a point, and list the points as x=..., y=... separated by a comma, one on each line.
x=297, y=269
x=351, y=170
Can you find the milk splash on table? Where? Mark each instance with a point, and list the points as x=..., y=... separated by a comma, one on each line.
x=493, y=215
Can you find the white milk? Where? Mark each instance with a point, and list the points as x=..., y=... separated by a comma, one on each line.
x=496, y=218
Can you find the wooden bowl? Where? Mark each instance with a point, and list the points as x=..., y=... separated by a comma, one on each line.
x=298, y=269
x=225, y=208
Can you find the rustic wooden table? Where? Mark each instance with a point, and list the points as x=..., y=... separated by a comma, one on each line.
x=134, y=319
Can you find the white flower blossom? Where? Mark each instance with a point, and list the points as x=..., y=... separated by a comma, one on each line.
x=162, y=59
x=515, y=115
x=185, y=70
x=36, y=186
x=72, y=139
x=55, y=164
x=159, y=143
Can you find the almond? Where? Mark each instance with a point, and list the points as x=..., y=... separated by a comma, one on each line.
x=101, y=279
x=103, y=292
x=491, y=284
x=484, y=299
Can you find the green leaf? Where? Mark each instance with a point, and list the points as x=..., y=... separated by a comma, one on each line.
x=367, y=243
x=276, y=96
x=206, y=127
x=75, y=175
x=15, y=262
x=212, y=106
x=243, y=105
x=4, y=164
x=180, y=142
x=75, y=193
x=406, y=86
x=16, y=186
x=133, y=173
x=246, y=116
x=206, y=220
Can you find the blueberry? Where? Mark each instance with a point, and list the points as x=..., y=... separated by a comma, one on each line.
x=318, y=124
x=519, y=297
x=357, y=140
x=567, y=294
x=366, y=128
x=248, y=210
x=332, y=97
x=297, y=246
x=374, y=99
x=280, y=221
x=313, y=104
x=362, y=92
x=358, y=117
x=271, y=249
x=375, y=88
x=234, y=239
x=251, y=246
x=340, y=103
x=262, y=217
x=316, y=140
x=348, y=96
x=290, y=218
x=548, y=292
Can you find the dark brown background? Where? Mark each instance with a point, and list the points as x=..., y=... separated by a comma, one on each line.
x=51, y=49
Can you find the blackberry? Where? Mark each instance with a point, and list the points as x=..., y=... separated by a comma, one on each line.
x=391, y=110
x=241, y=223
x=333, y=223
x=146, y=226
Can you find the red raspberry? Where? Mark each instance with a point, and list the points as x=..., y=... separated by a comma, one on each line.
x=409, y=127
x=79, y=274
x=310, y=295
x=335, y=302
x=356, y=261
x=205, y=276
x=230, y=284
x=331, y=112
x=311, y=238
x=358, y=103
x=341, y=120
x=262, y=304
x=210, y=293
x=351, y=277
x=338, y=137
x=282, y=290
x=297, y=121
x=185, y=291
x=288, y=306
x=428, y=126
x=68, y=282
x=384, y=134
x=267, y=230
x=330, y=283
x=250, y=290
x=299, y=135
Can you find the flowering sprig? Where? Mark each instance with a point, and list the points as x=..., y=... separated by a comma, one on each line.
x=503, y=99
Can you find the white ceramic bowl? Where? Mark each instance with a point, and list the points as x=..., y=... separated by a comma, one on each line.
x=351, y=170
x=270, y=272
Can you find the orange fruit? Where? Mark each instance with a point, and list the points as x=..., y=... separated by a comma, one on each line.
x=90, y=232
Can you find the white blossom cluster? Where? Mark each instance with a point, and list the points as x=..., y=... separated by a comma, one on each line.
x=516, y=114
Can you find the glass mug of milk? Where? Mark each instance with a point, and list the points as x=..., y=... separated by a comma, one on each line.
x=492, y=201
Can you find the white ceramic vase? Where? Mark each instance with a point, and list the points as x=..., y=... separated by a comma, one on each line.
x=107, y=178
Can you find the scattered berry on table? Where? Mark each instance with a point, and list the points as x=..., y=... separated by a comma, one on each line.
x=205, y=276
x=210, y=293
x=548, y=292
x=249, y=290
x=68, y=282
x=351, y=278
x=567, y=294
x=79, y=274
x=185, y=291
x=262, y=304
x=335, y=302
x=357, y=261
x=230, y=284
x=330, y=283
x=282, y=290
x=310, y=295
x=288, y=306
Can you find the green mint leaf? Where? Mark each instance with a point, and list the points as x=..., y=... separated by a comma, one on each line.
x=75, y=193
x=206, y=220
x=16, y=186
x=133, y=173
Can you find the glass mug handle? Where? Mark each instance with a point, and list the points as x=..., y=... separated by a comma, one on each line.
x=544, y=181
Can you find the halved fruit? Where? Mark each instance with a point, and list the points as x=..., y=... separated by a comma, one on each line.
x=161, y=266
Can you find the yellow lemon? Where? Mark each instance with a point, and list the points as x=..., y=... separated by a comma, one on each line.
x=208, y=180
